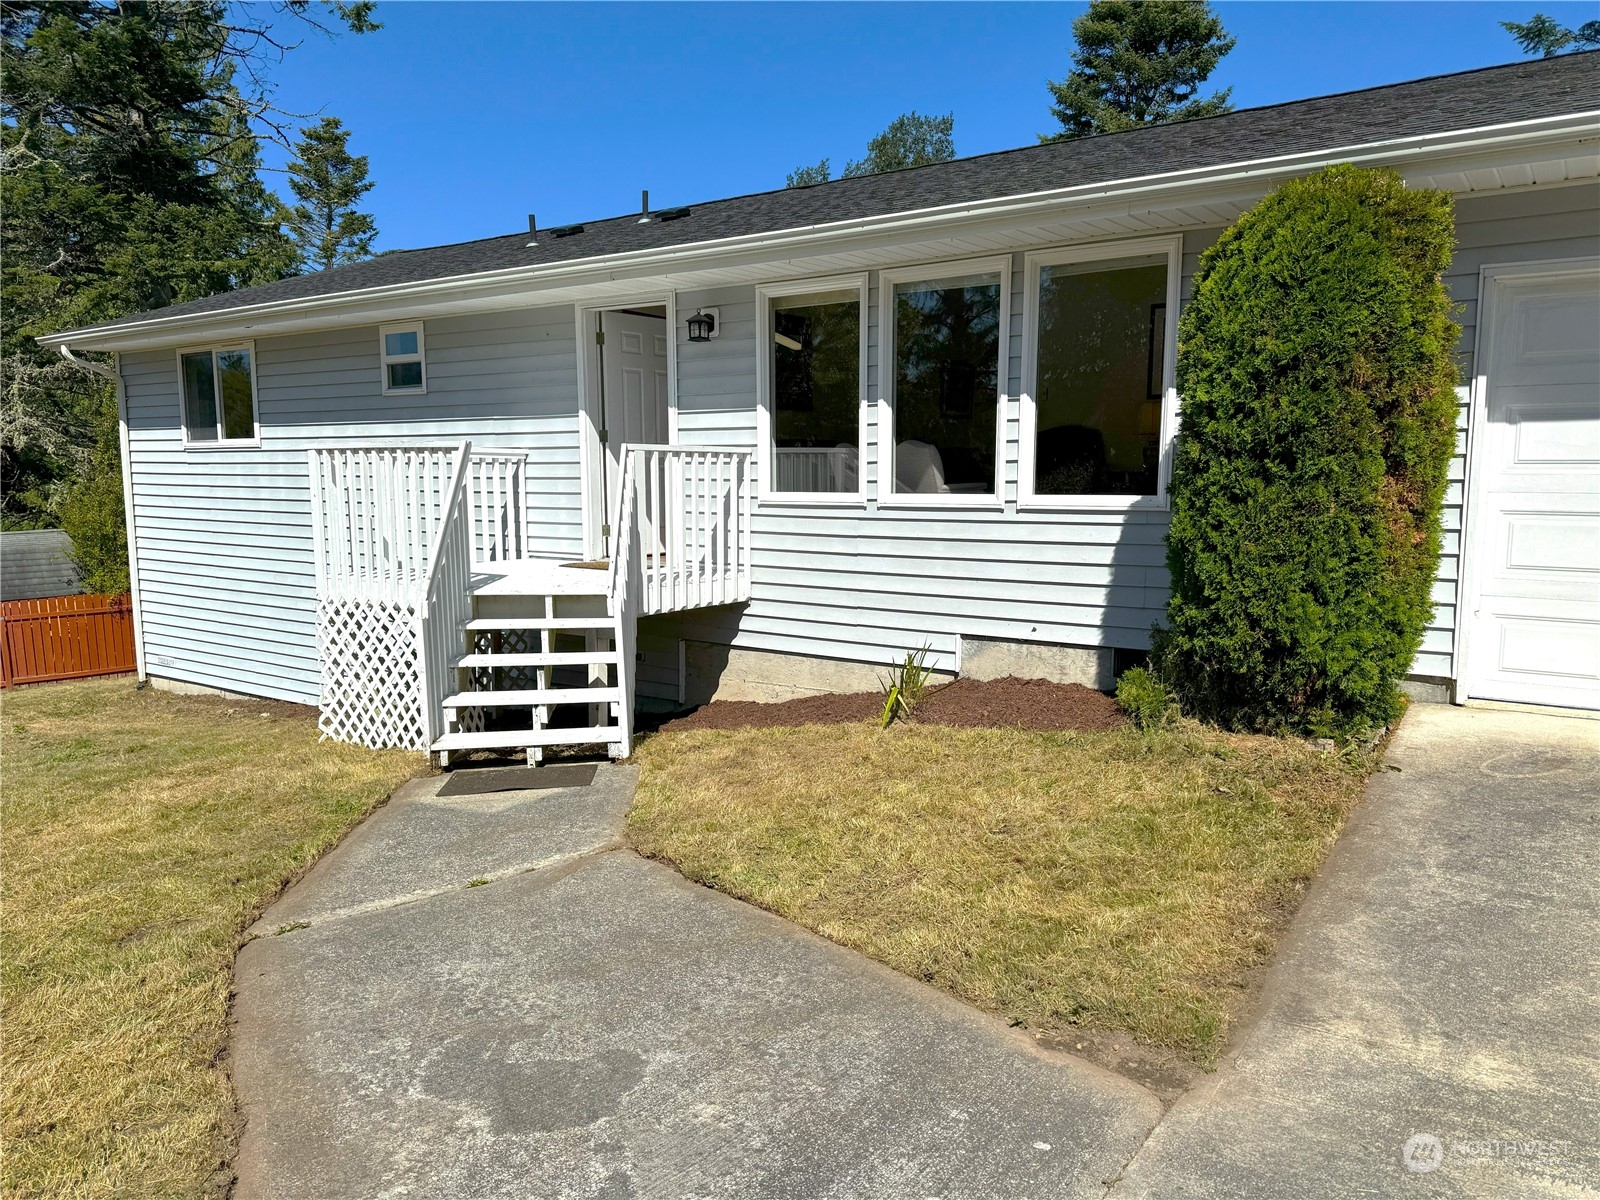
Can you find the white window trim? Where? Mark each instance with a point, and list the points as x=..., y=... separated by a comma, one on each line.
x=220, y=442
x=1027, y=432
x=766, y=293
x=420, y=357
x=887, y=496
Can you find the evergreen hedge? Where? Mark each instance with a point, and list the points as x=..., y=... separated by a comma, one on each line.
x=1318, y=383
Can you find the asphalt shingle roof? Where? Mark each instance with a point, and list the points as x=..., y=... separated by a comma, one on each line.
x=1474, y=99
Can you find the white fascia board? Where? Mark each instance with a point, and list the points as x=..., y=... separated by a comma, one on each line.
x=490, y=286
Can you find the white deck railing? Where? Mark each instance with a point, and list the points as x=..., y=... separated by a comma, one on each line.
x=398, y=534
x=497, y=505
x=625, y=594
x=375, y=517
x=376, y=513
x=447, y=598
x=692, y=522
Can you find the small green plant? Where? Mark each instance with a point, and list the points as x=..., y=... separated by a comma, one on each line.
x=903, y=689
x=291, y=927
x=1145, y=699
x=478, y=882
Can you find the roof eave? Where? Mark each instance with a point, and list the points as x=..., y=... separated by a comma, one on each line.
x=131, y=335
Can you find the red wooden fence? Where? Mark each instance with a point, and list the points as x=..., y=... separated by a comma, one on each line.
x=65, y=637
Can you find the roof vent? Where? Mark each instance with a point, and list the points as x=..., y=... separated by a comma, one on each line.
x=533, y=230
x=566, y=230
x=673, y=214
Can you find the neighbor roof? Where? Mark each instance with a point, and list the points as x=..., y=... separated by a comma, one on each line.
x=1491, y=96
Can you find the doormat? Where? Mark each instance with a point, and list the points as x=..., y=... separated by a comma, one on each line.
x=483, y=781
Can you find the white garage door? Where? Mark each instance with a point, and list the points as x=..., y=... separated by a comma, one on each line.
x=1533, y=619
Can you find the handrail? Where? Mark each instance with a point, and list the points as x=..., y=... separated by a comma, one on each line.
x=623, y=590
x=446, y=597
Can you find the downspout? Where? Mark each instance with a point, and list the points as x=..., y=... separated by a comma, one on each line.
x=114, y=373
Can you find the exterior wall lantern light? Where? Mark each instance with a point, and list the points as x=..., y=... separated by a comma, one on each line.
x=703, y=325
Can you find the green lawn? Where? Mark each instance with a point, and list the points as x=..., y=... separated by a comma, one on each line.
x=1113, y=881
x=142, y=832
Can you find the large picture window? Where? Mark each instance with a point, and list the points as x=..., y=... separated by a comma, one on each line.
x=946, y=371
x=812, y=391
x=219, y=395
x=1093, y=420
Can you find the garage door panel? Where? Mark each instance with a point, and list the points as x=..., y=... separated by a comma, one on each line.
x=1554, y=435
x=1533, y=621
x=1569, y=650
x=1559, y=544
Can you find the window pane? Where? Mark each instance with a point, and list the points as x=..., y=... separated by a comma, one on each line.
x=396, y=344
x=946, y=386
x=405, y=375
x=238, y=404
x=1102, y=331
x=816, y=393
x=199, y=398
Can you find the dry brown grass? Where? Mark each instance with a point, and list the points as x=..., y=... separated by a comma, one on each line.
x=141, y=833
x=1109, y=880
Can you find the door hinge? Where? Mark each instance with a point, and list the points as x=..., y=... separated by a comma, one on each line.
x=605, y=531
x=599, y=337
x=605, y=436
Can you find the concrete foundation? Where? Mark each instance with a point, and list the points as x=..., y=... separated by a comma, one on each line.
x=1424, y=689
x=179, y=688
x=718, y=672
x=1092, y=666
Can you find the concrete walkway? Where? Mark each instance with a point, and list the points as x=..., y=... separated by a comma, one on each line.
x=1431, y=1027
x=586, y=1023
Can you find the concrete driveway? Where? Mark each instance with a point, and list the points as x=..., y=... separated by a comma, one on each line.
x=587, y=1023
x=1431, y=1026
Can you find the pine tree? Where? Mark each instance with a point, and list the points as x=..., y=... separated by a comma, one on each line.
x=1139, y=62
x=329, y=182
x=1546, y=37
x=130, y=139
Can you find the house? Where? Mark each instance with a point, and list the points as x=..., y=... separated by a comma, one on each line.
x=765, y=445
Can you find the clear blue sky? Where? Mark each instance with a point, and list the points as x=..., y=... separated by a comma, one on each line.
x=475, y=114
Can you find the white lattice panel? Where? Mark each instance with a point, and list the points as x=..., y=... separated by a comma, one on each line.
x=371, y=684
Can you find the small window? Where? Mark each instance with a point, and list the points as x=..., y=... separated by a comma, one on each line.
x=813, y=392
x=402, y=358
x=219, y=395
x=946, y=381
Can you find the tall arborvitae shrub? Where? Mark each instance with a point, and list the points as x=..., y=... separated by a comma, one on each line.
x=1315, y=366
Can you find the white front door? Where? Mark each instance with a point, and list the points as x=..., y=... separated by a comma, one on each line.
x=1533, y=631
x=633, y=357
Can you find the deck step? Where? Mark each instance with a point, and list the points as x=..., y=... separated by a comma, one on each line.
x=606, y=623
x=507, y=739
x=533, y=696
x=578, y=658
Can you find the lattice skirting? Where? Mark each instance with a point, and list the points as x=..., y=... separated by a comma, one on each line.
x=371, y=672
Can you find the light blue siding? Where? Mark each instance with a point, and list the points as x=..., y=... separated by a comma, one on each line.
x=224, y=535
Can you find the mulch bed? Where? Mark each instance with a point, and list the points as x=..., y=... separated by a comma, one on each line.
x=993, y=703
